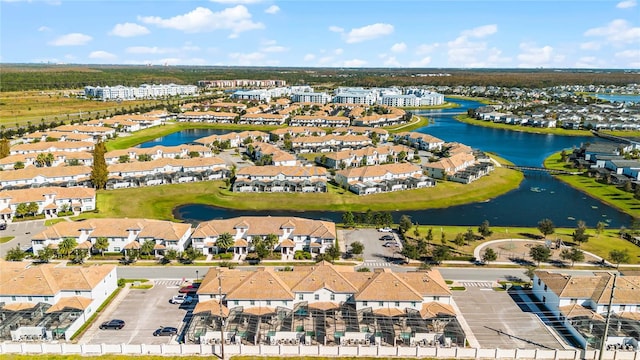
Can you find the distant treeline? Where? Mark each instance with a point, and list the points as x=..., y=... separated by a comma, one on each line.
x=54, y=77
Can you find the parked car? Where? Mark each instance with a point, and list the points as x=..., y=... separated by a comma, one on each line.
x=390, y=244
x=165, y=331
x=3, y=226
x=387, y=237
x=112, y=324
x=189, y=289
x=181, y=299
x=385, y=229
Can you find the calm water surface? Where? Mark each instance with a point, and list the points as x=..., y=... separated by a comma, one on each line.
x=539, y=196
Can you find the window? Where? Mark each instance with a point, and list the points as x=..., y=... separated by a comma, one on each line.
x=545, y=287
x=13, y=298
x=544, y=299
x=365, y=303
x=397, y=303
x=301, y=297
x=539, y=282
x=252, y=302
x=333, y=296
x=29, y=298
x=436, y=298
x=268, y=302
x=46, y=298
x=413, y=304
x=316, y=297
x=284, y=302
x=574, y=301
x=77, y=292
x=622, y=307
x=116, y=249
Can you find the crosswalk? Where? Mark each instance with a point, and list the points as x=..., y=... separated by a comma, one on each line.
x=376, y=264
x=168, y=282
x=485, y=284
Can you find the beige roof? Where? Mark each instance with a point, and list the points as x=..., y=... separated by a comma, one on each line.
x=212, y=307
x=387, y=286
x=388, y=312
x=21, y=278
x=85, y=245
x=579, y=311
x=46, y=172
x=72, y=302
x=631, y=315
x=596, y=287
x=259, y=310
x=435, y=309
x=52, y=146
x=154, y=165
x=132, y=245
x=116, y=228
x=323, y=305
x=84, y=129
x=324, y=275
x=366, y=172
x=18, y=306
x=261, y=284
x=290, y=171
x=37, y=194
x=265, y=225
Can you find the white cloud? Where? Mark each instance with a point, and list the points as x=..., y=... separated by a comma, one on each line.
x=588, y=62
x=368, y=32
x=399, y=47
x=149, y=50
x=426, y=48
x=391, y=61
x=73, y=39
x=128, y=30
x=481, y=31
x=337, y=29
x=618, y=32
x=273, y=9
x=237, y=19
x=236, y=1
x=309, y=57
x=532, y=56
x=247, y=59
x=629, y=54
x=354, y=63
x=102, y=55
x=44, y=28
x=425, y=61
x=627, y=4
x=590, y=45
x=338, y=51
x=463, y=52
x=274, y=48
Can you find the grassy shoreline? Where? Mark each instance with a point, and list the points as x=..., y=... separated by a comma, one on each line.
x=446, y=105
x=608, y=194
x=554, y=131
x=158, y=202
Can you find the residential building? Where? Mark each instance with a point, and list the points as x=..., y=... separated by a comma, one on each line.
x=66, y=176
x=56, y=136
x=234, y=139
x=292, y=131
x=342, y=306
x=158, y=152
x=50, y=302
x=239, y=83
x=310, y=97
x=355, y=96
x=320, y=120
x=122, y=234
x=50, y=200
x=277, y=156
x=143, y=91
x=363, y=157
x=262, y=119
x=99, y=133
x=293, y=234
x=273, y=178
x=208, y=117
x=419, y=140
x=58, y=158
x=305, y=144
x=50, y=147
x=581, y=304
x=383, y=178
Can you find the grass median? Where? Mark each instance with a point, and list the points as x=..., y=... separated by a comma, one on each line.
x=158, y=202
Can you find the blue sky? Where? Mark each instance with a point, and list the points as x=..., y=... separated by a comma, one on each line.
x=315, y=33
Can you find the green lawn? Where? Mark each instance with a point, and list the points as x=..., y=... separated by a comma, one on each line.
x=421, y=122
x=6, y=239
x=609, y=194
x=157, y=202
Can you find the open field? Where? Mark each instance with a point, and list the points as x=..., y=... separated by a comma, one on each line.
x=21, y=107
x=158, y=202
x=600, y=245
x=608, y=194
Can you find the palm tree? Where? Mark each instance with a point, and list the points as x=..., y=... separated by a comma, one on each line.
x=224, y=241
x=270, y=241
x=66, y=246
x=147, y=247
x=102, y=244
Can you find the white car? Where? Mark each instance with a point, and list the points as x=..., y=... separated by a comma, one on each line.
x=181, y=299
x=385, y=229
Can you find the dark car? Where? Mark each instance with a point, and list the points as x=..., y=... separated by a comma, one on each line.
x=3, y=226
x=165, y=331
x=189, y=289
x=387, y=238
x=112, y=324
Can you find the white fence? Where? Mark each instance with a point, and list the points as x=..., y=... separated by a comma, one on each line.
x=312, y=350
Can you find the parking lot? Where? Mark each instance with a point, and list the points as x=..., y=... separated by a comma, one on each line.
x=375, y=250
x=143, y=311
x=497, y=321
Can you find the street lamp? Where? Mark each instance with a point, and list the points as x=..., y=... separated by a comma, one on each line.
x=196, y=275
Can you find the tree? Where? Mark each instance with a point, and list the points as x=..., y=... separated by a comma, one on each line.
x=459, y=240
x=574, y=255
x=530, y=272
x=489, y=255
x=66, y=246
x=332, y=252
x=189, y=255
x=357, y=248
x=600, y=227
x=348, y=219
x=619, y=256
x=270, y=241
x=45, y=254
x=32, y=208
x=410, y=251
x=4, y=148
x=144, y=157
x=429, y=236
x=484, y=229
x=15, y=254
x=579, y=235
x=99, y=171
x=416, y=231
x=123, y=159
x=540, y=253
x=469, y=236
x=405, y=223
x=443, y=238
x=224, y=241
x=440, y=254
x=102, y=244
x=546, y=227
x=18, y=165
x=147, y=247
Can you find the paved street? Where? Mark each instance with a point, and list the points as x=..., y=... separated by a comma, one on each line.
x=22, y=231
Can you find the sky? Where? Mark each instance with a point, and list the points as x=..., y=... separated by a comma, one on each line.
x=324, y=33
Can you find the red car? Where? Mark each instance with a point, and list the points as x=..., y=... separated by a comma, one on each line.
x=189, y=289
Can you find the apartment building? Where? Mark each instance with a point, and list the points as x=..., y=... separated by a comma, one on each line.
x=158, y=152
x=67, y=176
x=383, y=178
x=58, y=158
x=419, y=140
x=273, y=178
x=320, y=120
x=364, y=157
x=50, y=200
x=50, y=147
x=305, y=144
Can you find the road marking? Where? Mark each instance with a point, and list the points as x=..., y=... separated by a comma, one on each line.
x=483, y=284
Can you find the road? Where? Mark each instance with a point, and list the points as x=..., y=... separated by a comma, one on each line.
x=22, y=232
x=189, y=272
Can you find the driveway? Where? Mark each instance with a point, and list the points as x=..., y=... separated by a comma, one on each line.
x=143, y=311
x=22, y=232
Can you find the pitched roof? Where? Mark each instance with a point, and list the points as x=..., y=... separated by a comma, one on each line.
x=119, y=228
x=261, y=284
x=71, y=302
